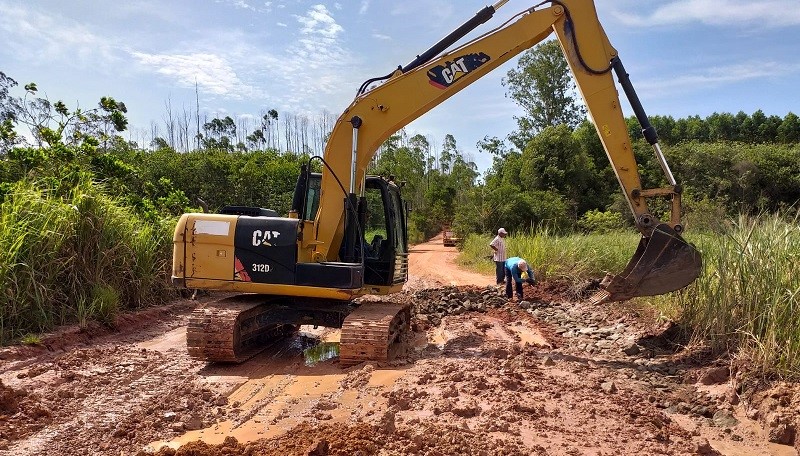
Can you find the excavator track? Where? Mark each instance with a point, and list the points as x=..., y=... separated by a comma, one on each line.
x=374, y=332
x=232, y=330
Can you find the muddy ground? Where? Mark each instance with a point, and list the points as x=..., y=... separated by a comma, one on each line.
x=550, y=375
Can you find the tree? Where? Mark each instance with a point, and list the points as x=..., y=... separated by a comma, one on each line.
x=554, y=161
x=789, y=129
x=449, y=151
x=220, y=134
x=722, y=127
x=494, y=146
x=9, y=107
x=664, y=125
x=542, y=84
x=54, y=124
x=270, y=119
x=256, y=139
x=159, y=143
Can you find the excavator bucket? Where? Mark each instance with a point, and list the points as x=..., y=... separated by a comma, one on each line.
x=662, y=263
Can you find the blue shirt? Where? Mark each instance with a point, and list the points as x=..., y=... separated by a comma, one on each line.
x=511, y=265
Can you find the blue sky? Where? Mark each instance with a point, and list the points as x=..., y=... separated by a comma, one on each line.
x=685, y=57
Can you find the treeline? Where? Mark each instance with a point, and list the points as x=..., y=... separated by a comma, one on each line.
x=562, y=179
x=187, y=129
x=757, y=128
x=104, y=197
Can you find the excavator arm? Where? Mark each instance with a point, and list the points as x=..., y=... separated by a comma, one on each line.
x=663, y=261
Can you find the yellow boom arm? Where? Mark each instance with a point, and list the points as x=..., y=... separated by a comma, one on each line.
x=664, y=262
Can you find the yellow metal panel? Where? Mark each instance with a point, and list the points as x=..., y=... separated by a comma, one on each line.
x=209, y=246
x=272, y=289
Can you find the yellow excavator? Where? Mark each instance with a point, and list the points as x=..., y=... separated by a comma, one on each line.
x=307, y=268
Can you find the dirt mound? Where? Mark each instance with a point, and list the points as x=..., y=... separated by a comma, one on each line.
x=21, y=414
x=337, y=439
x=778, y=409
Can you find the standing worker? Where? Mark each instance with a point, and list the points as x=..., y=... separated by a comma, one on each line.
x=517, y=270
x=498, y=246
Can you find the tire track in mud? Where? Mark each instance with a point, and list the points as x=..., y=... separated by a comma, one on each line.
x=109, y=398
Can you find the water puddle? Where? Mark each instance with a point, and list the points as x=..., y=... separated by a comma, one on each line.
x=322, y=351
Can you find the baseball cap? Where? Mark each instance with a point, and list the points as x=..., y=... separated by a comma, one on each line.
x=502, y=231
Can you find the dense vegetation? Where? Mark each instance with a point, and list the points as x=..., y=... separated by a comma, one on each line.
x=87, y=216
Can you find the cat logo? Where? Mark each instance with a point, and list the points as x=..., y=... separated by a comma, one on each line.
x=263, y=237
x=443, y=76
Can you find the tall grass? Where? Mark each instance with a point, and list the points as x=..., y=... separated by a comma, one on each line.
x=748, y=296
x=74, y=258
x=574, y=257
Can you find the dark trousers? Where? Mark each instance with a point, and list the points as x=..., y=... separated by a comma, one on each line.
x=509, y=281
x=499, y=269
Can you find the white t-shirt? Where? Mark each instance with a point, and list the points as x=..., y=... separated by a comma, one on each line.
x=500, y=244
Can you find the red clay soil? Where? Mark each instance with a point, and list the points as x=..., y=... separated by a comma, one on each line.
x=551, y=375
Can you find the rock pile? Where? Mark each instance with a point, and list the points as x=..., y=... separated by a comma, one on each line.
x=433, y=304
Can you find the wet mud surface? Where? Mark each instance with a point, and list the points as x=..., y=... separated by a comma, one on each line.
x=550, y=375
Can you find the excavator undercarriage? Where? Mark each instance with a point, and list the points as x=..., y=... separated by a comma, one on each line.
x=236, y=328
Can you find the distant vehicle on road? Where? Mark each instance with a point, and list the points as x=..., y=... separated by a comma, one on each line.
x=449, y=238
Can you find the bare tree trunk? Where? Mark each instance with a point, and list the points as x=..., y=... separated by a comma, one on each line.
x=197, y=114
x=169, y=123
x=185, y=134
x=153, y=133
x=277, y=133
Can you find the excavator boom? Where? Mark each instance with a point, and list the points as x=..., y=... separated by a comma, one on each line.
x=663, y=262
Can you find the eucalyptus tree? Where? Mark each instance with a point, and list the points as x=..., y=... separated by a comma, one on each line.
x=9, y=107
x=543, y=86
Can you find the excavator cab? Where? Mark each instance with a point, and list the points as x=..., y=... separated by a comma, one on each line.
x=376, y=231
x=384, y=233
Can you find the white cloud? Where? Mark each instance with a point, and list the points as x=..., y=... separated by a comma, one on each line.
x=45, y=38
x=263, y=7
x=211, y=72
x=381, y=36
x=318, y=21
x=718, y=76
x=304, y=74
x=364, y=7
x=766, y=13
x=243, y=5
x=316, y=61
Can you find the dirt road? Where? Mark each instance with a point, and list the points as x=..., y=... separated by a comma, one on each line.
x=546, y=376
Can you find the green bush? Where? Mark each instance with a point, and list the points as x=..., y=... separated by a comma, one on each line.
x=595, y=221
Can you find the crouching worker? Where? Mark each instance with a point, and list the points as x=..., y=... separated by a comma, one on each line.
x=517, y=271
